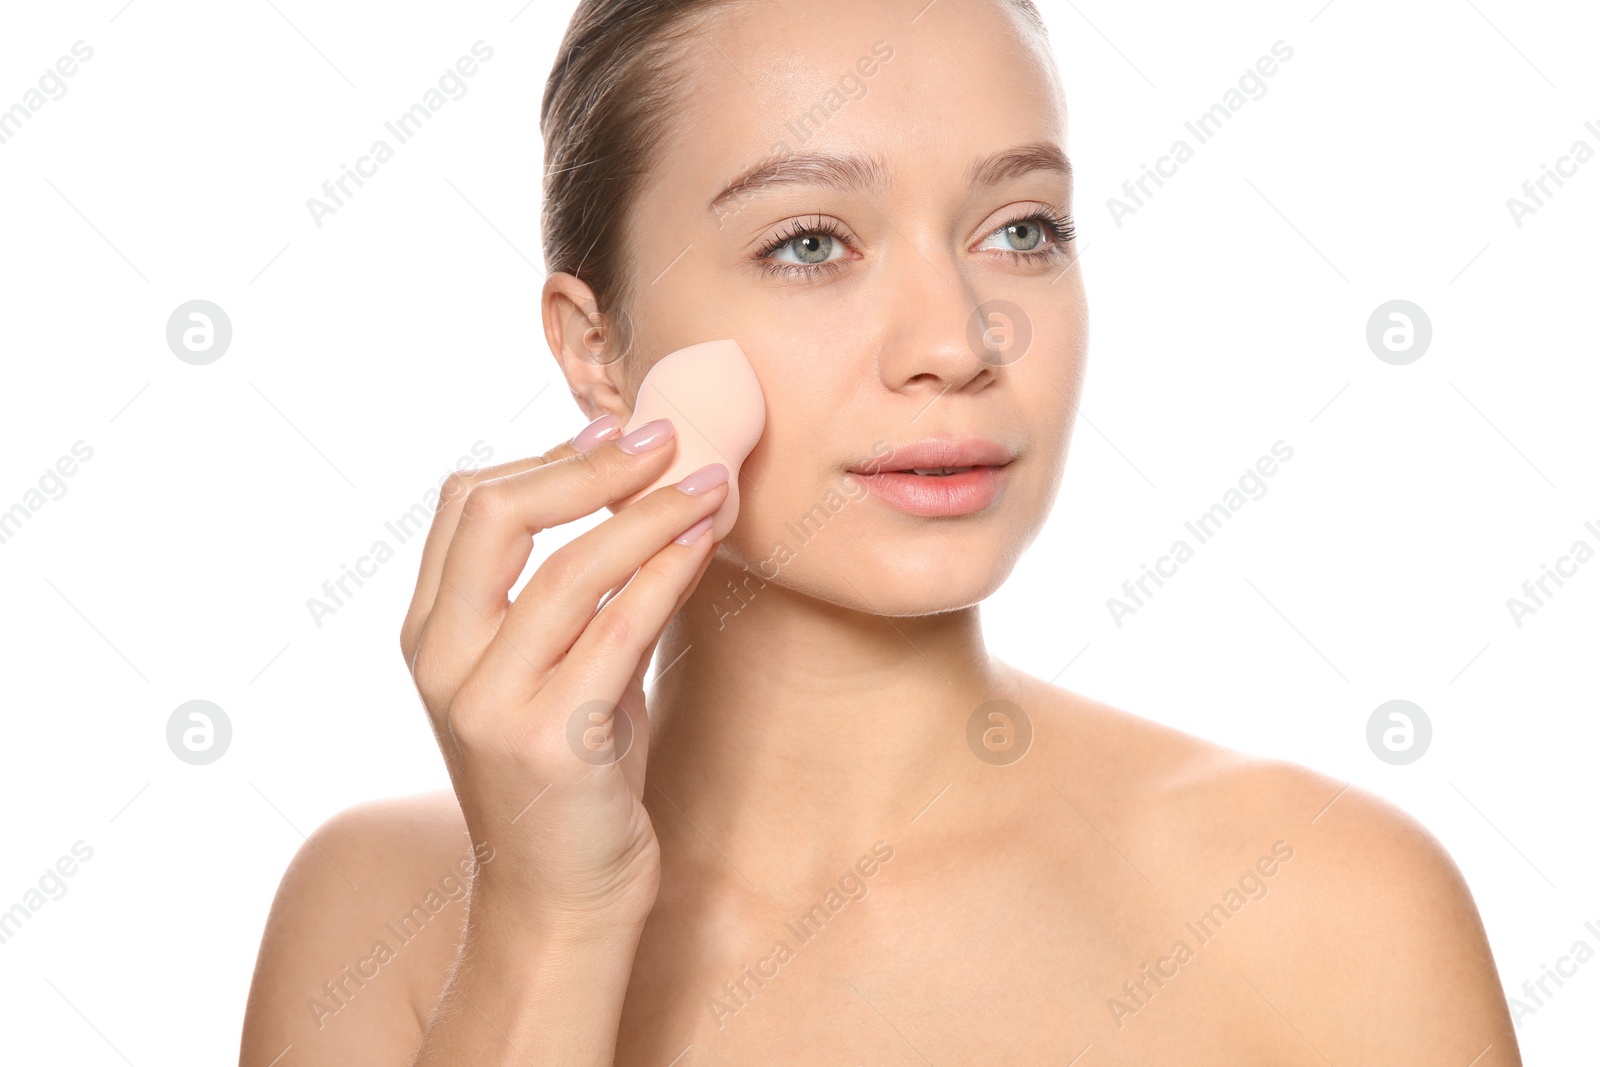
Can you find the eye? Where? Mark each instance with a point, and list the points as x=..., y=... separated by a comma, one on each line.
x=809, y=249
x=804, y=247
x=1022, y=236
x=819, y=246
x=1037, y=235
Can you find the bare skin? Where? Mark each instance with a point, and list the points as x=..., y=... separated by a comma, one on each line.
x=1019, y=912
x=999, y=932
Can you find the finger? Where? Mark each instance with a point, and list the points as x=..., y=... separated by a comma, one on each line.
x=635, y=758
x=603, y=660
x=683, y=598
x=494, y=538
x=632, y=704
x=633, y=701
x=446, y=515
x=556, y=606
x=614, y=590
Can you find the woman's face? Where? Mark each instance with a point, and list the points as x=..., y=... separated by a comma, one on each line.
x=912, y=290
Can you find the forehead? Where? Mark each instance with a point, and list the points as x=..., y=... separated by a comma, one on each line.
x=924, y=87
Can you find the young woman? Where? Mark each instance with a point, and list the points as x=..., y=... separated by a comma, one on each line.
x=846, y=833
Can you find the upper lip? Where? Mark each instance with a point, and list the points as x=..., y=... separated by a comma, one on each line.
x=933, y=453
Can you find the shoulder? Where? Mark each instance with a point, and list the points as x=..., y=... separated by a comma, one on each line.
x=1208, y=803
x=1367, y=909
x=1339, y=906
x=363, y=928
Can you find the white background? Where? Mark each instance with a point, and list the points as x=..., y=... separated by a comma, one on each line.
x=371, y=354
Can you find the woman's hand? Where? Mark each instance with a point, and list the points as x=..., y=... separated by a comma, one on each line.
x=533, y=700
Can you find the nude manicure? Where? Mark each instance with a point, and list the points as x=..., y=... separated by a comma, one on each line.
x=650, y=435
x=705, y=479
x=604, y=428
x=695, y=532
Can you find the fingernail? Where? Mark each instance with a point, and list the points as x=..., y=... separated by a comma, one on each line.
x=602, y=429
x=705, y=479
x=695, y=532
x=650, y=435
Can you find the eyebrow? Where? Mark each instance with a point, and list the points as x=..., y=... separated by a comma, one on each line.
x=869, y=173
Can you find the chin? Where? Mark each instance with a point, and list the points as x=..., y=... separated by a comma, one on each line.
x=895, y=595
x=885, y=569
x=938, y=571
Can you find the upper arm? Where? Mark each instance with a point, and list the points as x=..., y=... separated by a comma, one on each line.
x=360, y=929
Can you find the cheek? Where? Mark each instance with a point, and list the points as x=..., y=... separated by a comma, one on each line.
x=790, y=466
x=802, y=520
x=809, y=374
x=1052, y=375
x=1052, y=415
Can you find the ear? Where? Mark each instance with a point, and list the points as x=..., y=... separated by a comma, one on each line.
x=584, y=342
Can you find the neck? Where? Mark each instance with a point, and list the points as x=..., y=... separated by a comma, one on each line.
x=790, y=733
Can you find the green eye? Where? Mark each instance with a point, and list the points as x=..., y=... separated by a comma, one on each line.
x=807, y=248
x=811, y=248
x=1024, y=236
x=1043, y=234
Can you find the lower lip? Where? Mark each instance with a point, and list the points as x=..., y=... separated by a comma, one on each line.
x=935, y=495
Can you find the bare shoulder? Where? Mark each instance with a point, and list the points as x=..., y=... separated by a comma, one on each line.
x=361, y=934
x=1338, y=905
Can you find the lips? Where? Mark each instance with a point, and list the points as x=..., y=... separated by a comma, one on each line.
x=937, y=478
x=934, y=454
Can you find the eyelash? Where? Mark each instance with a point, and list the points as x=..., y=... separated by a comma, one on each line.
x=1058, y=225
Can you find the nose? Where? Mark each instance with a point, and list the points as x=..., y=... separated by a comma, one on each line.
x=929, y=346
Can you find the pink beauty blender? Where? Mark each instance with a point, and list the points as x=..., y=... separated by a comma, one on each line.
x=710, y=393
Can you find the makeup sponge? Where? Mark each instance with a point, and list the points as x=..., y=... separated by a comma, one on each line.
x=710, y=393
